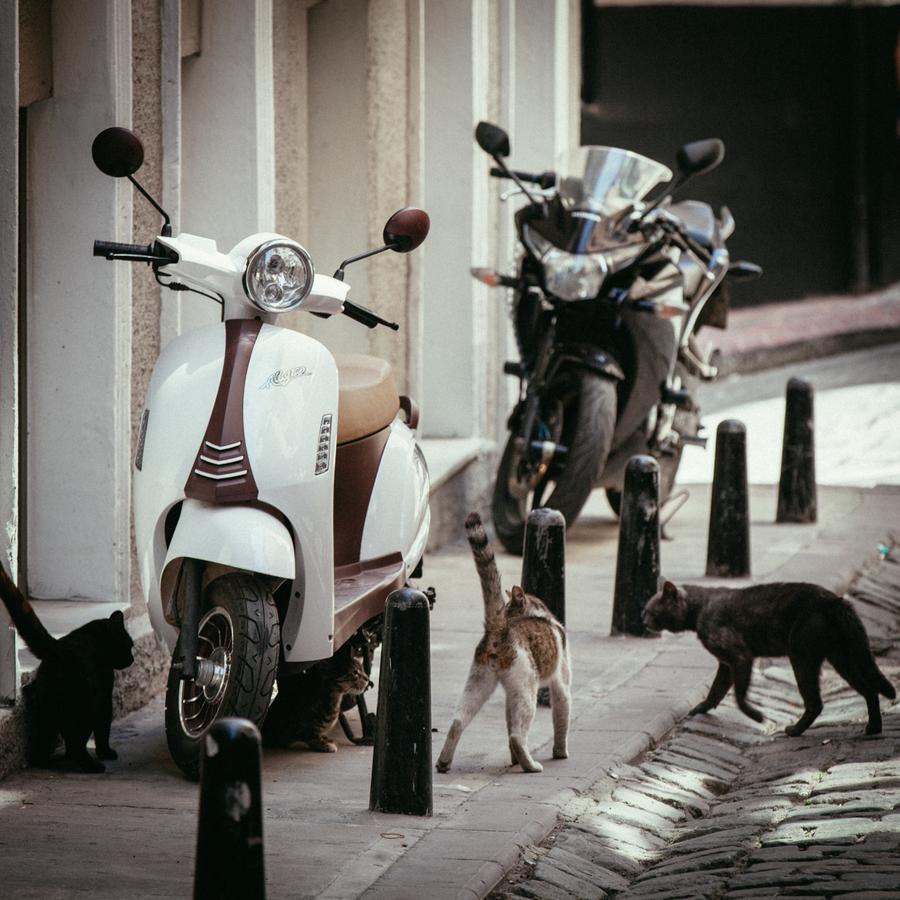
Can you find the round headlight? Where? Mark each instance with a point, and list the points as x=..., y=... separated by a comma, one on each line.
x=279, y=276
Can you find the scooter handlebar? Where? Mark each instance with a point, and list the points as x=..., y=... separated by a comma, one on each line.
x=366, y=316
x=109, y=248
x=154, y=253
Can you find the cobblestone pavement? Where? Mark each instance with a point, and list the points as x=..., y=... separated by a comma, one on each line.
x=726, y=808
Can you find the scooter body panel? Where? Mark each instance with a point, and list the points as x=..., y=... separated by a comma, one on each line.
x=291, y=387
x=398, y=517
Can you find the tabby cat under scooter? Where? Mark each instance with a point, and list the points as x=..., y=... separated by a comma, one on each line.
x=804, y=622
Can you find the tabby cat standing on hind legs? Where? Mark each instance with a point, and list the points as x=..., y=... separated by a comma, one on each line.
x=804, y=622
x=524, y=647
x=71, y=693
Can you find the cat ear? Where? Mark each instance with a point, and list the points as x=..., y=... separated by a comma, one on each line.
x=117, y=618
x=669, y=590
x=516, y=593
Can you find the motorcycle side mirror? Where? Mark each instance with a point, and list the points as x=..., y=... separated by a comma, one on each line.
x=117, y=152
x=741, y=270
x=699, y=157
x=406, y=229
x=492, y=139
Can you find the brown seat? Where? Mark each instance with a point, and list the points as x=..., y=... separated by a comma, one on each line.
x=368, y=398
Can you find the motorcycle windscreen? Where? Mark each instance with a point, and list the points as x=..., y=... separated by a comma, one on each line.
x=606, y=180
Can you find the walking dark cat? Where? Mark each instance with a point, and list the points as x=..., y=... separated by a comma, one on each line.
x=524, y=647
x=804, y=622
x=308, y=705
x=71, y=693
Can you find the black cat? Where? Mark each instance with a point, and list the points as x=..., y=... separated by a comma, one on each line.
x=71, y=693
x=802, y=621
x=308, y=705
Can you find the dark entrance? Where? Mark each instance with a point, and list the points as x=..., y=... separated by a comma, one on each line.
x=806, y=100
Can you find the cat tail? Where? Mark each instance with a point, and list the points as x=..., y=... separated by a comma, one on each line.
x=29, y=626
x=861, y=652
x=486, y=566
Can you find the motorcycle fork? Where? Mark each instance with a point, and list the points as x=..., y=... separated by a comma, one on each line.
x=188, y=635
x=535, y=388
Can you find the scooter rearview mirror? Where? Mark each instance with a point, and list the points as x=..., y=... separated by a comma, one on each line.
x=406, y=229
x=492, y=139
x=117, y=152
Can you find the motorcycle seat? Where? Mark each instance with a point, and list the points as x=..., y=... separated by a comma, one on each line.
x=700, y=221
x=367, y=396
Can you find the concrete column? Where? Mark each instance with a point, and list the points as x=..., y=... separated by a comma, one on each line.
x=456, y=81
x=387, y=43
x=227, y=132
x=9, y=302
x=146, y=300
x=78, y=315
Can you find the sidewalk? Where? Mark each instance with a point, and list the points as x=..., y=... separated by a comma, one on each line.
x=760, y=337
x=132, y=832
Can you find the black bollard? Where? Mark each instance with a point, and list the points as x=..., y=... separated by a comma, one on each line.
x=797, y=484
x=544, y=566
x=229, y=832
x=544, y=559
x=637, y=564
x=728, y=545
x=401, y=761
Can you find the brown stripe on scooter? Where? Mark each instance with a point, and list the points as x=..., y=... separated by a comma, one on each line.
x=226, y=425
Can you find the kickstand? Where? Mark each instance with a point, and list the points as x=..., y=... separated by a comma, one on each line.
x=679, y=499
x=368, y=724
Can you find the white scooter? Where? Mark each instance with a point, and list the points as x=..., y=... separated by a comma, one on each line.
x=279, y=492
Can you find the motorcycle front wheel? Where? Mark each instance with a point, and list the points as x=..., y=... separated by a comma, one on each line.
x=238, y=643
x=579, y=413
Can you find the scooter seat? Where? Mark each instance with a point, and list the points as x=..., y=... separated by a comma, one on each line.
x=368, y=398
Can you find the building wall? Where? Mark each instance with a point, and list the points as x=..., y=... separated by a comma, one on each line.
x=318, y=119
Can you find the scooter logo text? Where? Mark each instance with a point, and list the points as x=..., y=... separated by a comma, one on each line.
x=284, y=376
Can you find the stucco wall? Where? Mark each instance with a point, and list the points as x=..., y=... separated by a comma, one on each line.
x=145, y=296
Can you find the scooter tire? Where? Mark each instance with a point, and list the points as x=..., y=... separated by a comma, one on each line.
x=589, y=443
x=238, y=625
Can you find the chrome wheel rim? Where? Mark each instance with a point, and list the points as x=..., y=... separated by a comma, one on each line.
x=199, y=704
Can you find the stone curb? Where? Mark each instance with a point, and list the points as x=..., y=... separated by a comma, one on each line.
x=758, y=359
x=544, y=821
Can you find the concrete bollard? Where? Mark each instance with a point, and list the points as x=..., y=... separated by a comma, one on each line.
x=401, y=761
x=637, y=564
x=544, y=566
x=229, y=832
x=797, y=484
x=728, y=545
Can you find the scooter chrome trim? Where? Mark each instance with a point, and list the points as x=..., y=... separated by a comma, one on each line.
x=224, y=475
x=221, y=462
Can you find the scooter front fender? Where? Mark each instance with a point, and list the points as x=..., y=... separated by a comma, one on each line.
x=243, y=537
x=236, y=536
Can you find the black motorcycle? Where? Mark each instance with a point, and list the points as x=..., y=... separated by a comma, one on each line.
x=611, y=289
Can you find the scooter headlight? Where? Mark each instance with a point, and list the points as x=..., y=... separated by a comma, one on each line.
x=279, y=276
x=571, y=276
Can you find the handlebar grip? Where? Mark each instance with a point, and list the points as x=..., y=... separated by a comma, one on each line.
x=543, y=179
x=358, y=314
x=105, y=248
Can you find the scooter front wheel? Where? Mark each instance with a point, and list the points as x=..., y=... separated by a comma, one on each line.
x=580, y=413
x=237, y=656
